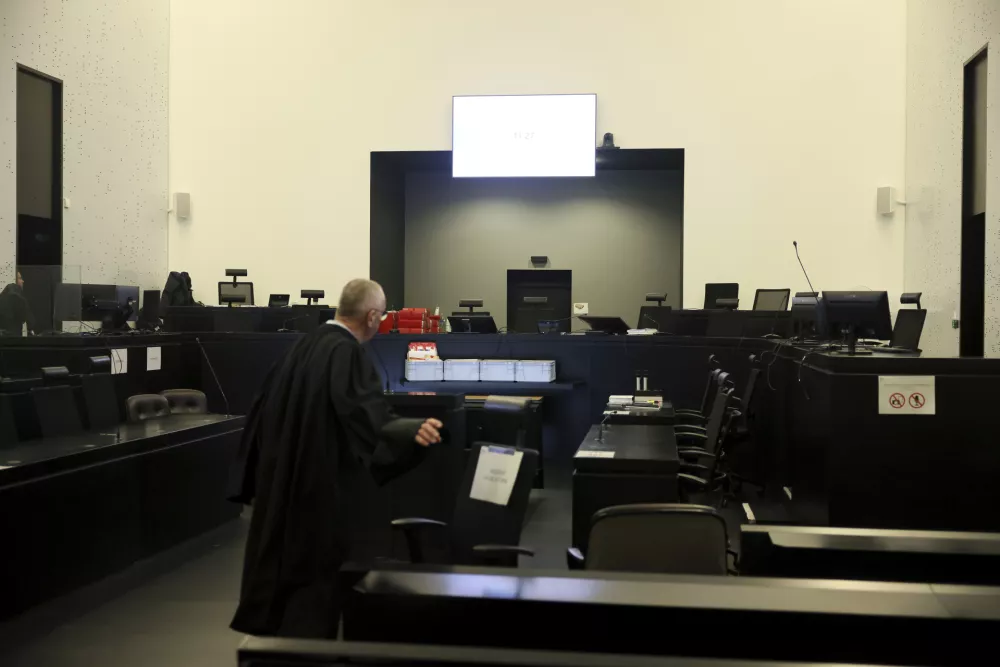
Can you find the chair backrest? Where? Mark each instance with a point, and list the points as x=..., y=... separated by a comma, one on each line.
x=100, y=401
x=57, y=411
x=186, y=401
x=663, y=538
x=716, y=418
x=710, y=389
x=748, y=391
x=146, y=406
x=478, y=522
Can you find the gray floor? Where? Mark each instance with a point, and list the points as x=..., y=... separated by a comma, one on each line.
x=175, y=610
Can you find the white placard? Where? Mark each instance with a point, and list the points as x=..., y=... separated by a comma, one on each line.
x=496, y=473
x=906, y=395
x=154, y=358
x=592, y=454
x=119, y=361
x=4, y=467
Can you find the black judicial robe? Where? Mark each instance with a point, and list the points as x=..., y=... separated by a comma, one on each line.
x=320, y=419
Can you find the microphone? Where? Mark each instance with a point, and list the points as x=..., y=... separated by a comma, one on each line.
x=811, y=289
x=216, y=377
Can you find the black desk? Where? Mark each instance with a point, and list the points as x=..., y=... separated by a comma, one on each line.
x=79, y=509
x=815, y=552
x=718, y=617
x=642, y=468
x=814, y=422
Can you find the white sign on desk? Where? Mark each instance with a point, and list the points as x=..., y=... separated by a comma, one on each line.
x=119, y=361
x=906, y=395
x=594, y=454
x=495, y=475
x=154, y=358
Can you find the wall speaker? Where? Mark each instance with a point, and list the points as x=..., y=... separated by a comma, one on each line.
x=182, y=205
x=886, y=200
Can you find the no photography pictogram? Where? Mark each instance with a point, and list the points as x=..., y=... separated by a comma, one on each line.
x=917, y=400
x=897, y=400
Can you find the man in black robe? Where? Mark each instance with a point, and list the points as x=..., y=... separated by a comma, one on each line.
x=320, y=419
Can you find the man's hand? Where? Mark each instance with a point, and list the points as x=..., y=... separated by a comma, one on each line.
x=429, y=433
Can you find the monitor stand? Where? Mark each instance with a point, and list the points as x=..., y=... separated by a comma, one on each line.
x=852, y=345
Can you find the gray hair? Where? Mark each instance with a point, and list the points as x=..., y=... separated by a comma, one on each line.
x=358, y=297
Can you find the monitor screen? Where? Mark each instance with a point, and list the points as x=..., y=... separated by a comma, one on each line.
x=523, y=135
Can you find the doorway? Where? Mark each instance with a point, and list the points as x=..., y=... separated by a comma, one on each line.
x=973, y=269
x=39, y=190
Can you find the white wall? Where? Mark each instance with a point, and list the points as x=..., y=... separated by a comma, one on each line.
x=112, y=58
x=791, y=113
x=942, y=38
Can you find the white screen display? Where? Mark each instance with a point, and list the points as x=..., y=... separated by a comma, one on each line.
x=523, y=135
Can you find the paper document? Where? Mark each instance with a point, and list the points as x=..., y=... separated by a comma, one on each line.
x=119, y=361
x=495, y=475
x=154, y=358
x=906, y=395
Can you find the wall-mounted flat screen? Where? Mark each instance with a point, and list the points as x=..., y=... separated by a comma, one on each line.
x=523, y=135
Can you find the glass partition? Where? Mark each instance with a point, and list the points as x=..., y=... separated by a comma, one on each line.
x=39, y=300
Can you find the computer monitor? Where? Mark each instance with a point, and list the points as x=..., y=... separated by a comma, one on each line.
x=771, y=299
x=475, y=324
x=128, y=301
x=716, y=291
x=278, y=300
x=244, y=289
x=608, y=325
x=909, y=326
x=854, y=315
x=804, y=314
x=465, y=313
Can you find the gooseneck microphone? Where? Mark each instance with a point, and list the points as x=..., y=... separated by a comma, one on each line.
x=811, y=288
x=216, y=377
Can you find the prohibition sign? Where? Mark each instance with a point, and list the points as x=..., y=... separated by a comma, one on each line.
x=917, y=400
x=897, y=400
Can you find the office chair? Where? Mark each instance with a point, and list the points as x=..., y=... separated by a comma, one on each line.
x=701, y=450
x=716, y=291
x=480, y=533
x=55, y=404
x=655, y=538
x=99, y=395
x=687, y=417
x=146, y=406
x=186, y=401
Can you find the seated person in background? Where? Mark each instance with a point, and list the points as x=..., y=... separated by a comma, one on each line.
x=320, y=420
x=14, y=309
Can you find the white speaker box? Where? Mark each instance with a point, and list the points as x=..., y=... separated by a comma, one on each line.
x=886, y=200
x=182, y=205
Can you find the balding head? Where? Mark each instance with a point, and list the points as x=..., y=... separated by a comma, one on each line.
x=362, y=304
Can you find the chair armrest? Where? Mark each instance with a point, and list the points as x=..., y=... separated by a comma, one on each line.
x=695, y=468
x=411, y=528
x=689, y=412
x=696, y=452
x=689, y=428
x=503, y=549
x=501, y=555
x=685, y=435
x=693, y=480
x=575, y=559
